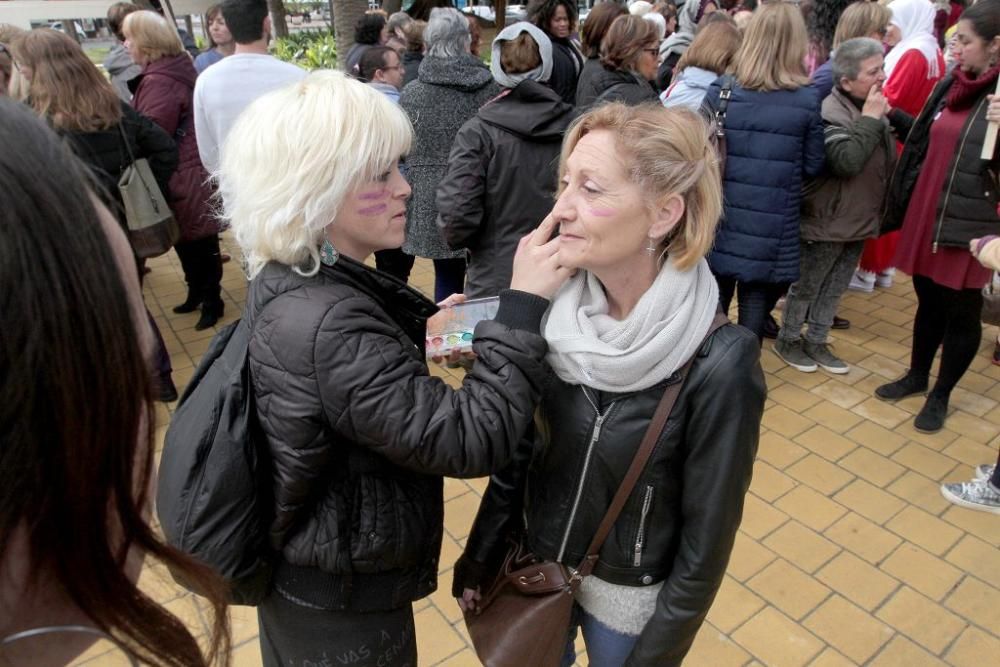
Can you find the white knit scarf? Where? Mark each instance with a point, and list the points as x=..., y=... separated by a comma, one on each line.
x=589, y=347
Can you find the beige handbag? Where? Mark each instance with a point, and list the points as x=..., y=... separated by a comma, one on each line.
x=152, y=228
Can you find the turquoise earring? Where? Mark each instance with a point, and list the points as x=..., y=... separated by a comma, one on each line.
x=328, y=255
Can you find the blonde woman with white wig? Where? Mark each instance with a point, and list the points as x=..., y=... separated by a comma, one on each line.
x=359, y=433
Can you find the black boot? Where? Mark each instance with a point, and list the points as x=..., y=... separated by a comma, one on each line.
x=932, y=415
x=211, y=311
x=908, y=385
x=194, y=299
x=166, y=391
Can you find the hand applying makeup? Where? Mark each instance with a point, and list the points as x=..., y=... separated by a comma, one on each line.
x=536, y=264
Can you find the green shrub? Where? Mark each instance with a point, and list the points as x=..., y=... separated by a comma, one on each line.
x=309, y=49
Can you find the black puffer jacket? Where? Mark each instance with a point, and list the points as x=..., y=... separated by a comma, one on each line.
x=680, y=522
x=360, y=434
x=567, y=64
x=501, y=180
x=612, y=85
x=967, y=206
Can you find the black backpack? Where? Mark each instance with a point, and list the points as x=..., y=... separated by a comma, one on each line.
x=213, y=499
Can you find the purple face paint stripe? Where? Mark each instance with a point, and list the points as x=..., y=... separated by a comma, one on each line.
x=373, y=210
x=602, y=212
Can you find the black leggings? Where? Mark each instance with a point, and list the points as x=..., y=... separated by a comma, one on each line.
x=949, y=319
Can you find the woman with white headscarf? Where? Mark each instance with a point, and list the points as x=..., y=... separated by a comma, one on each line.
x=673, y=47
x=912, y=68
x=501, y=175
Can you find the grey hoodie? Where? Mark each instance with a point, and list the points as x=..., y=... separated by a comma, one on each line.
x=120, y=67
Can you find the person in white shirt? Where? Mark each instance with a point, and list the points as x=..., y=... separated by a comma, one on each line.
x=224, y=90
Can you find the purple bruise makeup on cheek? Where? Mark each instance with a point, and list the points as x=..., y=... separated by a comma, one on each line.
x=600, y=212
x=374, y=202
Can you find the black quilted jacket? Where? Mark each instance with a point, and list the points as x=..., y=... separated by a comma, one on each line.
x=360, y=434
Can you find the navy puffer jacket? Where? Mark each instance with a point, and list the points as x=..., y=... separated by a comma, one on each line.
x=774, y=140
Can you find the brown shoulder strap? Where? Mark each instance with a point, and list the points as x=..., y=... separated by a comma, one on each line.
x=642, y=456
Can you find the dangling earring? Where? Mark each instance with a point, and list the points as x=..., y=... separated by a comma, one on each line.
x=651, y=247
x=328, y=255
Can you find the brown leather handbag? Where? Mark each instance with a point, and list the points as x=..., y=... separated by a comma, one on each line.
x=523, y=617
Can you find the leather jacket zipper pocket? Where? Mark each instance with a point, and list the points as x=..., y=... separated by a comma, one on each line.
x=640, y=539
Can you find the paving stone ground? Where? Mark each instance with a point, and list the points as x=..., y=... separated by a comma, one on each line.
x=847, y=554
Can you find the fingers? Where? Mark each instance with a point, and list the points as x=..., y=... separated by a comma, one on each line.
x=452, y=300
x=542, y=234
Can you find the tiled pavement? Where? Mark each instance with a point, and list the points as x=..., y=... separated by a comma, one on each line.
x=847, y=553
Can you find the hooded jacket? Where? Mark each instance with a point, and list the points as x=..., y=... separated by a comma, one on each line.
x=501, y=180
x=122, y=69
x=774, y=141
x=165, y=93
x=360, y=434
x=689, y=88
x=447, y=93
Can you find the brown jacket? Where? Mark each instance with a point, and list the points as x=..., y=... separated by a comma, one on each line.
x=845, y=202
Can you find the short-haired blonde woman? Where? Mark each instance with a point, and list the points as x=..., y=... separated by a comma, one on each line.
x=359, y=433
x=165, y=93
x=637, y=210
x=628, y=63
x=709, y=55
x=774, y=140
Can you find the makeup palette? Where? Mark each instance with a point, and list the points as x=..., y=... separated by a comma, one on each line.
x=451, y=329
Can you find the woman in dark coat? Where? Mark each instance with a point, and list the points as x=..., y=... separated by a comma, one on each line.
x=628, y=62
x=165, y=92
x=592, y=34
x=450, y=88
x=943, y=195
x=557, y=19
x=81, y=105
x=639, y=200
x=358, y=433
x=774, y=137
x=502, y=168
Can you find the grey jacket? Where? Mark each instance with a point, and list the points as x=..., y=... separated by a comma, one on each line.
x=846, y=201
x=447, y=92
x=121, y=69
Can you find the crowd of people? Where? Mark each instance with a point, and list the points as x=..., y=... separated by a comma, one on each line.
x=614, y=185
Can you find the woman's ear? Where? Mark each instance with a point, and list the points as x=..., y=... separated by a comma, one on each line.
x=666, y=216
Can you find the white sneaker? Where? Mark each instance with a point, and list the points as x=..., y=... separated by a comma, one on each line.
x=884, y=279
x=984, y=471
x=862, y=281
x=976, y=495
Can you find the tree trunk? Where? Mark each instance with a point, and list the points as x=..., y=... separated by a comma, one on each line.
x=189, y=25
x=345, y=15
x=500, y=13
x=392, y=6
x=278, y=22
x=69, y=27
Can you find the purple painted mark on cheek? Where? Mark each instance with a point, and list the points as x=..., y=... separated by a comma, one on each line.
x=377, y=199
x=602, y=212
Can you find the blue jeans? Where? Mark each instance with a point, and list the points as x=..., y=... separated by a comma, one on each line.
x=605, y=647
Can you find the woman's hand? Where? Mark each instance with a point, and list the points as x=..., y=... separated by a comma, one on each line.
x=993, y=110
x=469, y=600
x=536, y=263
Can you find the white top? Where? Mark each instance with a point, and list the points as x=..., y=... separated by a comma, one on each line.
x=225, y=89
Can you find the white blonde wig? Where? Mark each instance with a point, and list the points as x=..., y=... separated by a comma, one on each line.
x=292, y=157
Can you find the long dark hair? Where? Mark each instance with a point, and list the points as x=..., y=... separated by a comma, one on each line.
x=76, y=415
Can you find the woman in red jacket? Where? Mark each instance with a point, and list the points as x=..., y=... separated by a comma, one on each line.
x=912, y=68
x=165, y=94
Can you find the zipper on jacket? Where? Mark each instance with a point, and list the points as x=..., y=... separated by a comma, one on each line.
x=594, y=437
x=951, y=181
x=640, y=539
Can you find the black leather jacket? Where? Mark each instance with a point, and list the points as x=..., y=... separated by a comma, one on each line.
x=680, y=522
x=359, y=433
